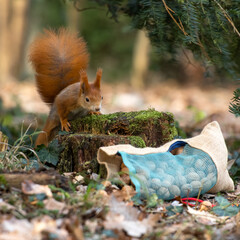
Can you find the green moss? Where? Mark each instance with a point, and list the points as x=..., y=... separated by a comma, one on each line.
x=3, y=181
x=137, y=141
x=140, y=129
x=155, y=128
x=144, y=117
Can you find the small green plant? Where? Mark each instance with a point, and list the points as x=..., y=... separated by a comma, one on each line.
x=49, y=155
x=198, y=114
x=16, y=156
x=225, y=208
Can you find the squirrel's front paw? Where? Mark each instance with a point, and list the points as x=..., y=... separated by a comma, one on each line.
x=65, y=125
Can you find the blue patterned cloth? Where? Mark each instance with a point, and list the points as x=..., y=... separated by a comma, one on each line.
x=170, y=175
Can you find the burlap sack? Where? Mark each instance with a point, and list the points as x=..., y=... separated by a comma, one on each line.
x=210, y=141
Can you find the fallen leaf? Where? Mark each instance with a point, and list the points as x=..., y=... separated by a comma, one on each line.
x=74, y=228
x=103, y=196
x=70, y=174
x=94, y=176
x=205, y=206
x=92, y=225
x=81, y=189
x=117, y=221
x=48, y=225
x=230, y=163
x=78, y=179
x=125, y=217
x=4, y=205
x=28, y=187
x=52, y=204
x=22, y=229
x=127, y=192
x=106, y=183
x=129, y=212
x=176, y=203
x=206, y=218
x=134, y=228
x=19, y=226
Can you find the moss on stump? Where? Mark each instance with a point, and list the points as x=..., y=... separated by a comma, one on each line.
x=155, y=128
x=144, y=128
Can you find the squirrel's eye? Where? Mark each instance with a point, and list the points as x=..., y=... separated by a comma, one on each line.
x=102, y=97
x=87, y=99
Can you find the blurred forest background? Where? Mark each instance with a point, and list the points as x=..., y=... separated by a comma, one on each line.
x=135, y=76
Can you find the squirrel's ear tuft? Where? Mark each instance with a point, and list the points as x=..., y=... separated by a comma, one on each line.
x=83, y=76
x=98, y=78
x=84, y=86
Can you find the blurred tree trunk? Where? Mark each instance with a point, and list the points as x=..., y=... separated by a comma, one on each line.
x=140, y=60
x=4, y=64
x=73, y=16
x=13, y=22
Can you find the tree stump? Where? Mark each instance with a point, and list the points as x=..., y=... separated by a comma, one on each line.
x=80, y=151
x=144, y=128
x=155, y=128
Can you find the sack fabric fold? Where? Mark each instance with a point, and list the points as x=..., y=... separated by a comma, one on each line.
x=210, y=140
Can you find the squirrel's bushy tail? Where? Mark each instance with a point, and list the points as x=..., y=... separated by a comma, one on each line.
x=57, y=58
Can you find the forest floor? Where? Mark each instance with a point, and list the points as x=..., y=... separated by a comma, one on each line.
x=89, y=208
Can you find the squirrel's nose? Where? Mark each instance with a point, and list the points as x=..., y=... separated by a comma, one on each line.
x=97, y=109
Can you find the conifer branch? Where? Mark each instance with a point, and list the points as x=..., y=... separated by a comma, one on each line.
x=228, y=17
x=169, y=10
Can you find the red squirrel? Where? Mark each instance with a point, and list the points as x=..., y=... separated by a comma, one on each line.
x=60, y=60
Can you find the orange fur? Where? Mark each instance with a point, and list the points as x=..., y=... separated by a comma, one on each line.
x=57, y=59
x=98, y=78
x=60, y=60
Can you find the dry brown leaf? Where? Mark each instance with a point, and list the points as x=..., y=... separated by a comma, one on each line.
x=102, y=194
x=78, y=179
x=126, y=179
x=5, y=205
x=119, y=207
x=81, y=189
x=106, y=183
x=49, y=225
x=127, y=192
x=125, y=170
x=22, y=229
x=74, y=228
x=94, y=176
x=206, y=218
x=52, y=204
x=124, y=217
x=117, y=221
x=70, y=174
x=205, y=206
x=92, y=225
x=133, y=228
x=18, y=228
x=29, y=188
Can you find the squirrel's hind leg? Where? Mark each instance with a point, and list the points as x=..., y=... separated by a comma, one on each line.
x=49, y=129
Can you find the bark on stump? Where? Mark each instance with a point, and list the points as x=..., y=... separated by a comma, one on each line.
x=144, y=128
x=80, y=151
